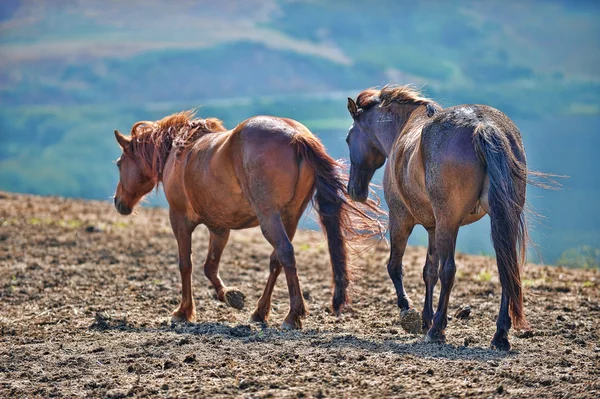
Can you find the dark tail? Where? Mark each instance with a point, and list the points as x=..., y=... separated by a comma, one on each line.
x=342, y=219
x=508, y=178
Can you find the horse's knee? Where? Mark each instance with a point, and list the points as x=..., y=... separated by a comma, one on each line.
x=395, y=270
x=185, y=267
x=448, y=271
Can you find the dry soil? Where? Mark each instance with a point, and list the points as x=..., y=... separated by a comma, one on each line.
x=86, y=296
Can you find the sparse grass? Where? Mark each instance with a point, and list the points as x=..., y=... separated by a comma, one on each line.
x=72, y=223
x=46, y=221
x=303, y=247
x=484, y=275
x=120, y=224
x=543, y=279
x=8, y=221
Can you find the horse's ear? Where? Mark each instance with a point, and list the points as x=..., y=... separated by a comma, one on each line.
x=122, y=140
x=352, y=107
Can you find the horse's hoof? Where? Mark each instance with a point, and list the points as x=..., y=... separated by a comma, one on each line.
x=435, y=336
x=289, y=327
x=500, y=343
x=258, y=323
x=404, y=303
x=181, y=317
x=257, y=318
x=235, y=298
x=425, y=327
x=294, y=325
x=410, y=321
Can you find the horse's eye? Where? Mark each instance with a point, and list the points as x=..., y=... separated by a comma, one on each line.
x=119, y=163
x=347, y=139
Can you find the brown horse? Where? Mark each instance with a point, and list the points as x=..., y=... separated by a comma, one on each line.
x=264, y=172
x=446, y=168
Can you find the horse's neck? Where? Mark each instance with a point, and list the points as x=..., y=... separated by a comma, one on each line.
x=154, y=158
x=206, y=146
x=403, y=119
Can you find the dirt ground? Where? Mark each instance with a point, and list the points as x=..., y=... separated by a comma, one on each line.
x=86, y=296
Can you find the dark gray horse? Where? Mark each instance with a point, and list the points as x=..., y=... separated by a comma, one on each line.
x=446, y=168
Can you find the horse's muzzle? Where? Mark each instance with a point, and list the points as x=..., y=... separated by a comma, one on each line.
x=122, y=208
x=358, y=183
x=358, y=195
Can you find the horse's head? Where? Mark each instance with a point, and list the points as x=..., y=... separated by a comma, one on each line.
x=365, y=155
x=134, y=183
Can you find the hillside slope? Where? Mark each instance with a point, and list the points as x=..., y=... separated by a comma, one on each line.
x=73, y=71
x=85, y=298
x=75, y=52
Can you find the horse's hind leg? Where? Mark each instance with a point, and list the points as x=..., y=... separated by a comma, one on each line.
x=275, y=232
x=263, y=308
x=503, y=324
x=445, y=242
x=454, y=179
x=231, y=296
x=430, y=277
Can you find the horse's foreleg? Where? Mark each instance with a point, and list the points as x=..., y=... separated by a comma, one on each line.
x=430, y=277
x=275, y=232
x=445, y=241
x=231, y=296
x=400, y=229
x=182, y=228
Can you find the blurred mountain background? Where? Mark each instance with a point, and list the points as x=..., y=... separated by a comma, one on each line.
x=72, y=71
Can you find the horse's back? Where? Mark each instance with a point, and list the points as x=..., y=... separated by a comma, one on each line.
x=266, y=137
x=456, y=126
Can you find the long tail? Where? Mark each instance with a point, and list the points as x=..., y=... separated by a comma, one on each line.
x=508, y=177
x=342, y=219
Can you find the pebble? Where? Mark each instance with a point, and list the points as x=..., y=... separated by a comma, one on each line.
x=464, y=312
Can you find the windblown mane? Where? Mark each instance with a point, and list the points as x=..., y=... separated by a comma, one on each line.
x=392, y=94
x=152, y=141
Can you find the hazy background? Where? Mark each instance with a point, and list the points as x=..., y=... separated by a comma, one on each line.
x=72, y=71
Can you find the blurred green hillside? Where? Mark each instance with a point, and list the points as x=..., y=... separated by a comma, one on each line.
x=71, y=72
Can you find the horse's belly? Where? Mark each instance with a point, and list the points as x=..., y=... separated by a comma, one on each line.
x=235, y=222
x=473, y=217
x=232, y=211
